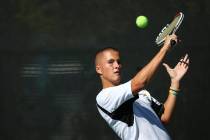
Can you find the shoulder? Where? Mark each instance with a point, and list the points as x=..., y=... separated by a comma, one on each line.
x=113, y=94
x=105, y=94
x=101, y=97
x=121, y=87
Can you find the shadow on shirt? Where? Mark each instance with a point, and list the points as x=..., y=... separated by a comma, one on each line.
x=144, y=114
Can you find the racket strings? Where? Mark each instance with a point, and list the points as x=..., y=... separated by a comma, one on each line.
x=169, y=29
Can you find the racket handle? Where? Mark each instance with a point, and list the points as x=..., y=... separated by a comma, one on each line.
x=173, y=42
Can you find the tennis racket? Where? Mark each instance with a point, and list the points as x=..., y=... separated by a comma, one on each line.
x=170, y=29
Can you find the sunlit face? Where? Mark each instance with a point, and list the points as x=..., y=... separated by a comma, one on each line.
x=109, y=66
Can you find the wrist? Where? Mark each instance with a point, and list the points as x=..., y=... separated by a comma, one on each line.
x=174, y=92
x=165, y=48
x=174, y=84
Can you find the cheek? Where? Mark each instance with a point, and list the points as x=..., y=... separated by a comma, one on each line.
x=106, y=69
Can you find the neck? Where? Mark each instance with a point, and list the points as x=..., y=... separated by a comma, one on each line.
x=106, y=84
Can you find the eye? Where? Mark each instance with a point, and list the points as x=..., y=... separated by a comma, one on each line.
x=119, y=62
x=111, y=61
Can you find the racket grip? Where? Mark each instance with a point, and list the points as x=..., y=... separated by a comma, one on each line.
x=173, y=42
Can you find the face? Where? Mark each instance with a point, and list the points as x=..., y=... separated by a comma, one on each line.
x=109, y=68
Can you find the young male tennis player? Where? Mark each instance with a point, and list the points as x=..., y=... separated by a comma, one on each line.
x=127, y=107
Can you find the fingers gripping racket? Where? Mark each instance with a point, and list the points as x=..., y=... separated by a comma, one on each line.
x=170, y=29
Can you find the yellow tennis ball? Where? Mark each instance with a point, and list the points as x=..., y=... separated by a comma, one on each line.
x=142, y=21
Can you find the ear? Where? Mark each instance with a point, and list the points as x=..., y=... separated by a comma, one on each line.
x=98, y=69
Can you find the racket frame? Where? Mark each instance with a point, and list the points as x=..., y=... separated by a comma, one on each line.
x=159, y=41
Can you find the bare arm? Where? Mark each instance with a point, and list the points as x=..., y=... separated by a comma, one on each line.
x=145, y=74
x=176, y=75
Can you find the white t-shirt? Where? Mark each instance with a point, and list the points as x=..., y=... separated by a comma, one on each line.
x=146, y=126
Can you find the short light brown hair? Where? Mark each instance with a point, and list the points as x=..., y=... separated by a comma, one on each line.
x=103, y=50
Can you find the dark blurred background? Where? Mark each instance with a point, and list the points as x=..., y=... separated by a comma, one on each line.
x=48, y=81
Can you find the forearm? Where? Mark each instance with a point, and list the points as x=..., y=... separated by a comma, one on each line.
x=169, y=104
x=145, y=74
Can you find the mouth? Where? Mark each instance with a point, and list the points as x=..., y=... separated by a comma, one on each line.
x=117, y=72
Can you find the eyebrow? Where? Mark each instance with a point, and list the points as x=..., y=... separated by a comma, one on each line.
x=111, y=59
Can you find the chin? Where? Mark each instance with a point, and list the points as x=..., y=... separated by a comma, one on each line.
x=117, y=82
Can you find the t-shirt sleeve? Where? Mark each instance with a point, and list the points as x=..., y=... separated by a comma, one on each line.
x=111, y=98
